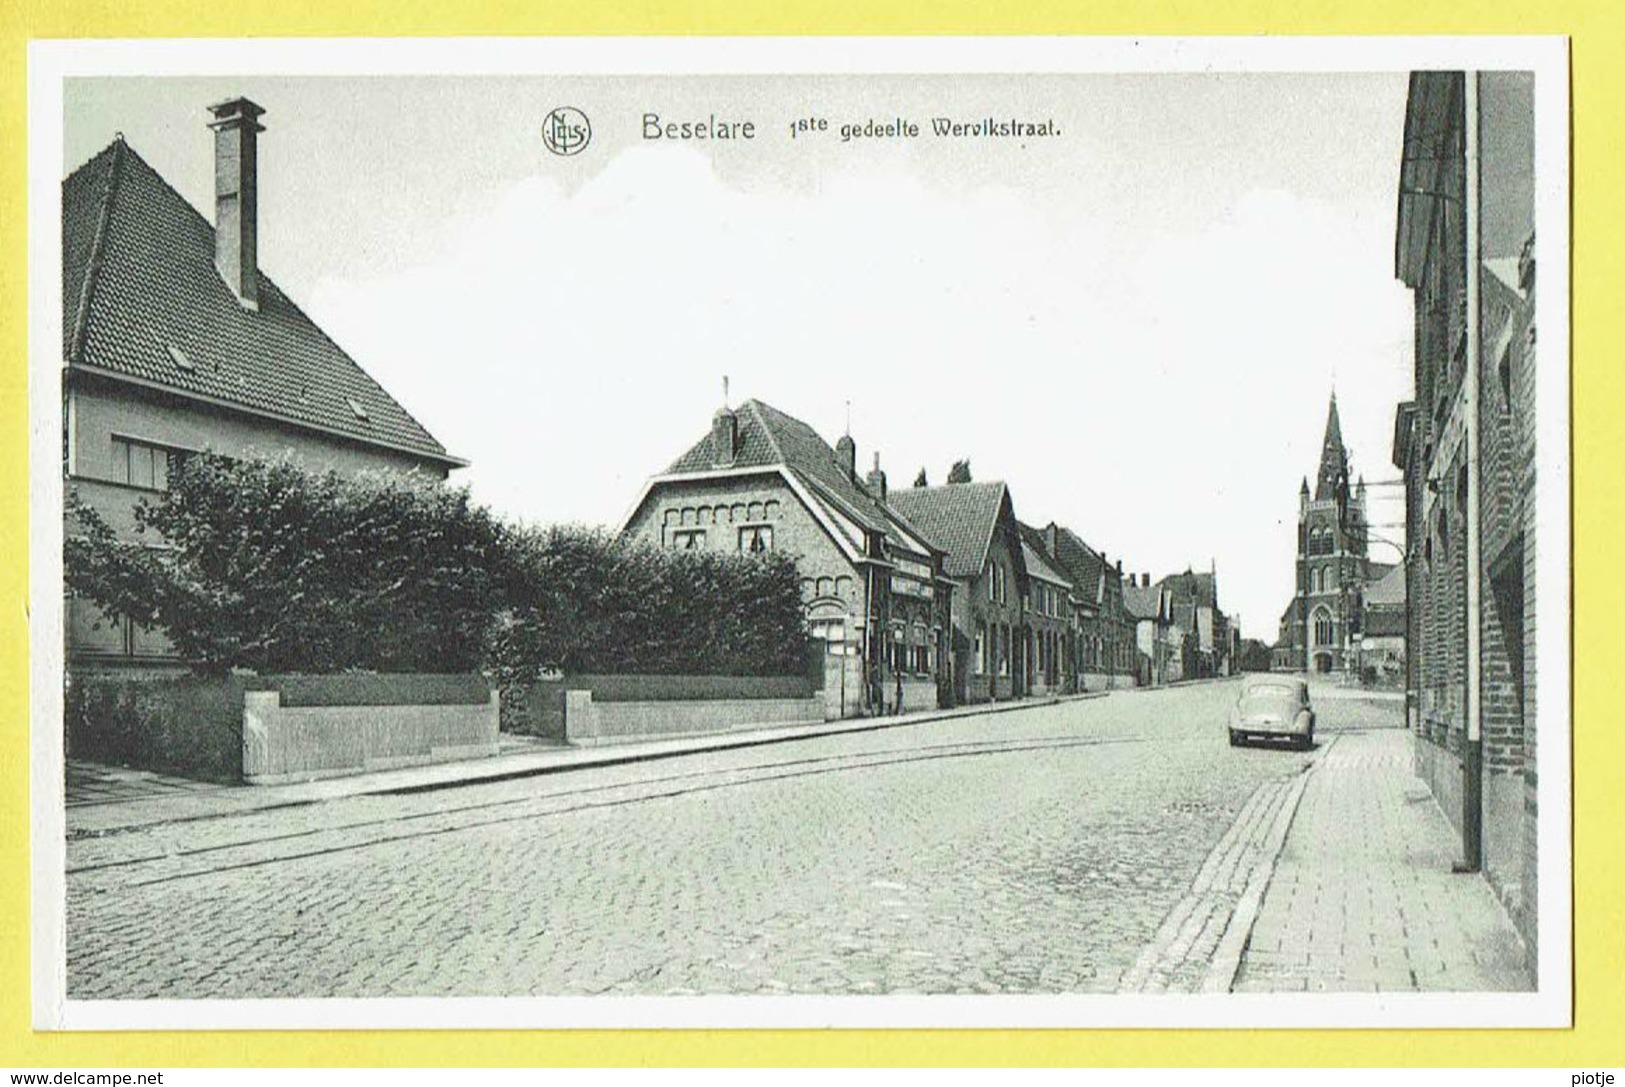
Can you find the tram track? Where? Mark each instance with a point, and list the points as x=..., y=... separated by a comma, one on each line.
x=509, y=810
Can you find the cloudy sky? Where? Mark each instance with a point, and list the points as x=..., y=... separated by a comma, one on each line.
x=1136, y=323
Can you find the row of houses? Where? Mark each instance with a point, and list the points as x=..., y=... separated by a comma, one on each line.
x=928, y=596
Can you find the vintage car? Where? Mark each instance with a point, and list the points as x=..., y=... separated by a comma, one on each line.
x=1273, y=706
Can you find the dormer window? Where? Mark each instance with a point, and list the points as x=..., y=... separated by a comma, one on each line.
x=357, y=409
x=178, y=357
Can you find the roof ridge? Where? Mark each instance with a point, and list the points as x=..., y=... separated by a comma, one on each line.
x=98, y=248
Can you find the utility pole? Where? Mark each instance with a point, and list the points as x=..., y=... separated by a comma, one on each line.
x=1472, y=799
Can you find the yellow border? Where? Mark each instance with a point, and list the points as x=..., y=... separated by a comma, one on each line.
x=1598, y=56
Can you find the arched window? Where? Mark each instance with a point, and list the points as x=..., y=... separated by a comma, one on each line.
x=1323, y=626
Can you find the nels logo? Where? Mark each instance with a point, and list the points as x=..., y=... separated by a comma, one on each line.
x=566, y=131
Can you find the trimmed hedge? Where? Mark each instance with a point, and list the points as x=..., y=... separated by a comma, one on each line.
x=190, y=725
x=370, y=689
x=629, y=688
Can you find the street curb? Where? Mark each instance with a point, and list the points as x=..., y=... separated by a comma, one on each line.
x=1221, y=974
x=735, y=740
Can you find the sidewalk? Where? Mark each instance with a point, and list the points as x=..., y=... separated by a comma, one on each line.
x=1362, y=897
x=108, y=800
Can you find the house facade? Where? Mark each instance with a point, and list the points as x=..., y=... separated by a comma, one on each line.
x=875, y=593
x=1158, y=641
x=1465, y=445
x=1050, y=626
x=975, y=525
x=1206, y=643
x=1382, y=629
x=1106, y=654
x=175, y=341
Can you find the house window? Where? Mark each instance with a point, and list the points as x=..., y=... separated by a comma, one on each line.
x=755, y=539
x=1004, y=650
x=142, y=464
x=831, y=630
x=688, y=539
x=981, y=649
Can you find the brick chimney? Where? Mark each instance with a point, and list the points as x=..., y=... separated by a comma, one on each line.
x=877, y=480
x=236, y=197
x=724, y=437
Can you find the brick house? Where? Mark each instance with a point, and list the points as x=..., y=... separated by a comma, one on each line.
x=1382, y=628
x=1105, y=628
x=175, y=341
x=1207, y=646
x=1158, y=641
x=975, y=525
x=1486, y=785
x=1050, y=629
x=874, y=589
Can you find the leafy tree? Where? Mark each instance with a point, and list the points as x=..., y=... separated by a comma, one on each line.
x=920, y=480
x=960, y=472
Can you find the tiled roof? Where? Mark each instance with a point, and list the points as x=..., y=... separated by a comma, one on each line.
x=768, y=438
x=1042, y=561
x=1081, y=561
x=1141, y=600
x=1389, y=589
x=139, y=283
x=1193, y=587
x=958, y=518
x=1040, y=567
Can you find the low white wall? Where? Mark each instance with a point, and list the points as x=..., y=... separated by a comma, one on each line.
x=590, y=723
x=298, y=743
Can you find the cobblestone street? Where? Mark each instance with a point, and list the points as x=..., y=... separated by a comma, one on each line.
x=1040, y=850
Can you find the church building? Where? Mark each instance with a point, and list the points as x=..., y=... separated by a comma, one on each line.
x=1323, y=620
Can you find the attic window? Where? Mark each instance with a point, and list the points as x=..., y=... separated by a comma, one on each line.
x=355, y=406
x=180, y=359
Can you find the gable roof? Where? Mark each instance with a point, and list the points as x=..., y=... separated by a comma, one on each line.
x=1143, y=601
x=1040, y=560
x=1085, y=565
x=1388, y=589
x=770, y=438
x=1193, y=588
x=139, y=284
x=958, y=518
x=1040, y=567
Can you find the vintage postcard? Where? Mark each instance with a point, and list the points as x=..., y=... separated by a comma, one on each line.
x=800, y=533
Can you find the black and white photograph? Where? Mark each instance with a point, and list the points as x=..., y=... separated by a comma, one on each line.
x=964, y=533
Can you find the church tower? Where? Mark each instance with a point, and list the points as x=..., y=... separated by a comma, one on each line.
x=1331, y=567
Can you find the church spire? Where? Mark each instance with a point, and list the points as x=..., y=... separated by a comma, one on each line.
x=1334, y=458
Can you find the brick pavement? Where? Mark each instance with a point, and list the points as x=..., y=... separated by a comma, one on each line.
x=1363, y=897
x=1030, y=851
